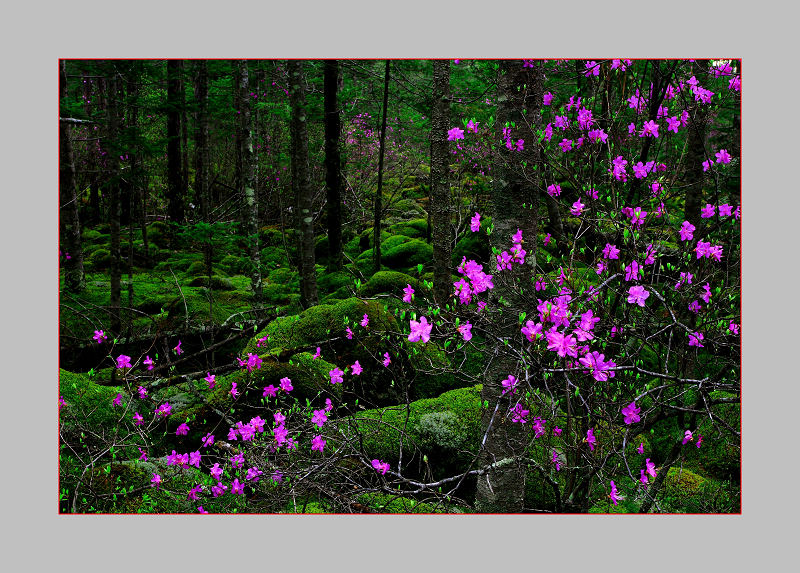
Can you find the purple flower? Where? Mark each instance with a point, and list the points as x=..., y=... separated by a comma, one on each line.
x=518, y=414
x=319, y=418
x=420, y=330
x=455, y=133
x=156, y=481
x=336, y=376
x=386, y=359
x=117, y=400
x=408, y=292
x=99, y=336
x=466, y=331
x=531, y=330
x=137, y=419
x=123, y=361
x=631, y=413
x=591, y=439
x=182, y=430
x=317, y=443
x=509, y=385
x=696, y=339
x=357, y=369
x=208, y=439
x=637, y=295
x=381, y=467
x=365, y=321
x=286, y=385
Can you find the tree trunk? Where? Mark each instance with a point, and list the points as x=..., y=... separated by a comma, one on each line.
x=376, y=228
x=114, y=203
x=441, y=207
x=74, y=277
x=174, y=177
x=333, y=166
x=202, y=154
x=250, y=212
x=696, y=152
x=516, y=183
x=300, y=182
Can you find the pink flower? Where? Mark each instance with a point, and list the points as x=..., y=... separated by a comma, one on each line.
x=317, y=354
x=386, y=359
x=357, y=370
x=286, y=385
x=262, y=340
x=509, y=385
x=554, y=191
x=566, y=145
x=270, y=391
x=611, y=252
x=725, y=210
x=123, y=361
x=557, y=431
x=466, y=331
x=637, y=295
x=518, y=414
x=208, y=440
x=317, y=443
x=381, y=467
x=420, y=330
x=219, y=489
x=200, y=509
x=365, y=321
x=696, y=339
x=640, y=449
x=577, y=208
x=455, y=133
x=699, y=441
x=211, y=379
x=319, y=418
x=194, y=459
x=723, y=156
x=547, y=99
x=562, y=344
x=99, y=336
x=408, y=292
x=182, y=430
x=156, y=481
x=164, y=410
x=117, y=400
x=237, y=461
x=614, y=495
x=707, y=165
x=601, y=370
x=591, y=439
x=650, y=129
x=177, y=349
x=687, y=437
x=472, y=126
x=733, y=327
x=531, y=330
x=592, y=69
x=234, y=392
x=687, y=231
x=631, y=413
x=137, y=418
x=538, y=427
x=643, y=476
x=143, y=455
x=349, y=333
x=253, y=474
x=554, y=460
x=673, y=123
x=336, y=376
x=216, y=472
x=707, y=211
x=632, y=271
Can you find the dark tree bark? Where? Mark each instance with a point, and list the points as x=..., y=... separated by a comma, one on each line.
x=93, y=212
x=174, y=176
x=114, y=204
x=441, y=207
x=376, y=229
x=300, y=182
x=202, y=152
x=696, y=152
x=333, y=165
x=250, y=211
x=74, y=277
x=516, y=183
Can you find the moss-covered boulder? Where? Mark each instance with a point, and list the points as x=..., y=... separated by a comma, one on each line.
x=100, y=259
x=389, y=282
x=446, y=429
x=330, y=282
x=216, y=283
x=414, y=229
x=408, y=254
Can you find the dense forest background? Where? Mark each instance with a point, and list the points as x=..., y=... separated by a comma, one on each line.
x=226, y=226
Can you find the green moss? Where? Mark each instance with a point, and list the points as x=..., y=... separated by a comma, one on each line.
x=408, y=254
x=385, y=503
x=217, y=283
x=87, y=403
x=391, y=282
x=100, y=259
x=330, y=282
x=434, y=375
x=407, y=209
x=449, y=448
x=415, y=228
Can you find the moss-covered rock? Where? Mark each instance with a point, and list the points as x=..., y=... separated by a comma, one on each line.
x=446, y=429
x=414, y=229
x=216, y=283
x=330, y=282
x=408, y=254
x=391, y=282
x=100, y=259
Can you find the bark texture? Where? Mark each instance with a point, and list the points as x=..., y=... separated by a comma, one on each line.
x=441, y=207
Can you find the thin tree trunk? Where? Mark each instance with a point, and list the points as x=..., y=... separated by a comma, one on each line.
x=74, y=277
x=696, y=152
x=201, y=153
x=250, y=214
x=333, y=165
x=300, y=181
x=376, y=229
x=441, y=206
x=174, y=178
x=114, y=206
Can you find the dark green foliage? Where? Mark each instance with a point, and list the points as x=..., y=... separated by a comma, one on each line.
x=389, y=282
x=414, y=228
x=473, y=246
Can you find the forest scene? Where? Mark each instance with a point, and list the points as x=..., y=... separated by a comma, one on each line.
x=399, y=286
